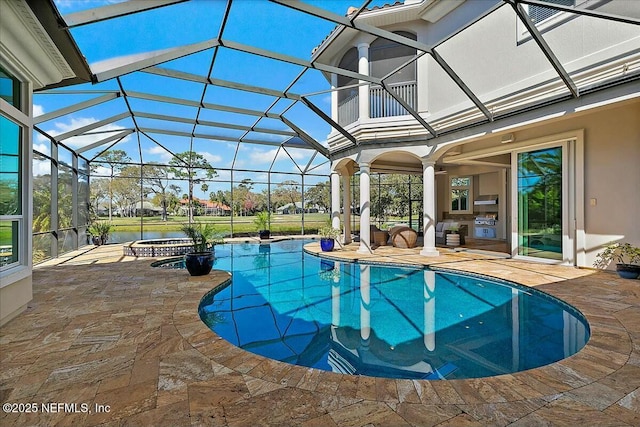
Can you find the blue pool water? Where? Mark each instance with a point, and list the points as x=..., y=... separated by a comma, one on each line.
x=384, y=321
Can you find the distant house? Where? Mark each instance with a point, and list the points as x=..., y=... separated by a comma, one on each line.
x=146, y=208
x=215, y=208
x=205, y=207
x=102, y=209
x=296, y=208
x=290, y=208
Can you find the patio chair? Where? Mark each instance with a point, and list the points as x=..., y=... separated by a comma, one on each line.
x=403, y=237
x=377, y=236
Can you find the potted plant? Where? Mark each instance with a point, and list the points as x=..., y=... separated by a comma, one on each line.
x=626, y=256
x=200, y=261
x=261, y=221
x=100, y=231
x=328, y=234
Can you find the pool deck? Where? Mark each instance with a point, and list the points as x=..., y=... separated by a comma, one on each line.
x=111, y=330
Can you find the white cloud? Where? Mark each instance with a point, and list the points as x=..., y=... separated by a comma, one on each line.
x=261, y=157
x=322, y=169
x=42, y=148
x=40, y=137
x=224, y=174
x=255, y=157
x=101, y=171
x=74, y=5
x=295, y=154
x=81, y=141
x=211, y=158
x=37, y=110
x=41, y=167
x=156, y=149
x=160, y=154
x=163, y=156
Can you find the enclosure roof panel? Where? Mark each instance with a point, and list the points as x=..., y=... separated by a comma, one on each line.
x=259, y=73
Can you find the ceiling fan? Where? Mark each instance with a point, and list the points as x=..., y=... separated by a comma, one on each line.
x=440, y=171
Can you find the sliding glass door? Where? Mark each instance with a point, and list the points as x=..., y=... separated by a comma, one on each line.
x=540, y=203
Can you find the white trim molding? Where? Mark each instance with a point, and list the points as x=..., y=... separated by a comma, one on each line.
x=28, y=47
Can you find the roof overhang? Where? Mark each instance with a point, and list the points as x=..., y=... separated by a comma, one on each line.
x=443, y=18
x=63, y=49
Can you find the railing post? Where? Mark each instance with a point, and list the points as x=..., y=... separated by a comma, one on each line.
x=335, y=116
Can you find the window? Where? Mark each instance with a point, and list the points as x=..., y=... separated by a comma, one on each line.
x=546, y=18
x=541, y=13
x=9, y=89
x=460, y=191
x=10, y=191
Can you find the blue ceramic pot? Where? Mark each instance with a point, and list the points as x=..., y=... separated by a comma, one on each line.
x=199, y=263
x=628, y=271
x=327, y=244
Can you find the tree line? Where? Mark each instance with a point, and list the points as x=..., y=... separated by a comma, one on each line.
x=162, y=185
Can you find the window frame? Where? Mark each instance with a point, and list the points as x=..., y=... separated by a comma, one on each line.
x=21, y=268
x=468, y=187
x=554, y=20
x=16, y=89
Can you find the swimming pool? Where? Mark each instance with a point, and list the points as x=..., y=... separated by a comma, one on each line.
x=384, y=321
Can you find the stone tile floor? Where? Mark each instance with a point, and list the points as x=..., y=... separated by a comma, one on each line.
x=104, y=329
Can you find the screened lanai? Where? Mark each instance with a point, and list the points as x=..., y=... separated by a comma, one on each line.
x=219, y=104
x=110, y=110
x=230, y=104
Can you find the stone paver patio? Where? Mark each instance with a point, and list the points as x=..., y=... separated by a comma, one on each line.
x=104, y=329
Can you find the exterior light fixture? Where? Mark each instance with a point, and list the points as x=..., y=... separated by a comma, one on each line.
x=505, y=139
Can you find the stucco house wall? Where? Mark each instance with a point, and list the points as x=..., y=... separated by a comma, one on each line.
x=612, y=172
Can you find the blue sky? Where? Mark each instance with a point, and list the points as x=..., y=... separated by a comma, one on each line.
x=255, y=23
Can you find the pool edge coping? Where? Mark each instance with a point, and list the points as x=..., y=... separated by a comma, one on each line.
x=573, y=368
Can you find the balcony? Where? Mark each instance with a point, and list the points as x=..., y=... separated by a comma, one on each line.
x=381, y=103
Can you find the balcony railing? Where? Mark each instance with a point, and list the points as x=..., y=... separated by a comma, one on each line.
x=348, y=110
x=381, y=103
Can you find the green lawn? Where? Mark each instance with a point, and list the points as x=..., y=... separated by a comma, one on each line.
x=244, y=224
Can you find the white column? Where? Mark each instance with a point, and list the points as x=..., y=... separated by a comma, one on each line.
x=334, y=97
x=365, y=305
x=335, y=200
x=429, y=294
x=346, y=203
x=365, y=231
x=429, y=217
x=363, y=91
x=335, y=298
x=515, y=330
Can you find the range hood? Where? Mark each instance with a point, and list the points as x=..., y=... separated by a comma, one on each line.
x=487, y=199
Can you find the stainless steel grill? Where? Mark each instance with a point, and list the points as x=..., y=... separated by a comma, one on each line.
x=485, y=221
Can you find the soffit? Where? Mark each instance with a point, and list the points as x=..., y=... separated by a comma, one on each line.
x=26, y=43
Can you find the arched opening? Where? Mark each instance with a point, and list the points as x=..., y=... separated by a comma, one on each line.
x=348, y=92
x=392, y=62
